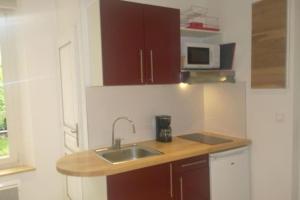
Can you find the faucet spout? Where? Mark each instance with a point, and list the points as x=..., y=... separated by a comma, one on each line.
x=116, y=143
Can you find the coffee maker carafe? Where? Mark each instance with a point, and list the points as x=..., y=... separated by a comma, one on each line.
x=163, y=129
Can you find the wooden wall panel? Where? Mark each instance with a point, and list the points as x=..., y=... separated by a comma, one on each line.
x=269, y=44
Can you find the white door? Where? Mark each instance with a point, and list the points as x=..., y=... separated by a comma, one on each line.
x=70, y=85
x=69, y=88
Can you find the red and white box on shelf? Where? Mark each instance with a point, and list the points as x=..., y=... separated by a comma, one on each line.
x=201, y=26
x=204, y=23
x=196, y=17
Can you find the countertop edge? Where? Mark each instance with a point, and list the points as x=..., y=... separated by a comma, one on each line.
x=142, y=163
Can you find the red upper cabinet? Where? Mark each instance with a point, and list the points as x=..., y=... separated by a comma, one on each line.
x=162, y=44
x=140, y=43
x=122, y=30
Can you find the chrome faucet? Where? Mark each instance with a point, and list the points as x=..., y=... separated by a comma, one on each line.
x=116, y=143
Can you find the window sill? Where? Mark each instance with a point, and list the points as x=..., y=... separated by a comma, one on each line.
x=15, y=170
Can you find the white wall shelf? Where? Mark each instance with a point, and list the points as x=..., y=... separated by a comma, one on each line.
x=188, y=32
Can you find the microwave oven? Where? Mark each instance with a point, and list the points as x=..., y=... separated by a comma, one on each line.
x=200, y=56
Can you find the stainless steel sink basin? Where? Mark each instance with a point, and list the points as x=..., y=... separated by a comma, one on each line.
x=127, y=154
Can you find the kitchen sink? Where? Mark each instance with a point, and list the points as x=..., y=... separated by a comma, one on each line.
x=127, y=154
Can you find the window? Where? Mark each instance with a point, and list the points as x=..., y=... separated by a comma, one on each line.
x=9, y=97
x=4, y=142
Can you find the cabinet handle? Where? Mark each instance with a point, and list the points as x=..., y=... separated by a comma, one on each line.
x=142, y=65
x=194, y=163
x=151, y=64
x=181, y=188
x=171, y=180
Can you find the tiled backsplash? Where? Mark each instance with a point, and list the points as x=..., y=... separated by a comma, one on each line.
x=141, y=104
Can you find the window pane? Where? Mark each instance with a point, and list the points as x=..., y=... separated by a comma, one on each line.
x=4, y=145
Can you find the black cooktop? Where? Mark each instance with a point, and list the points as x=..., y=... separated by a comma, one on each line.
x=205, y=139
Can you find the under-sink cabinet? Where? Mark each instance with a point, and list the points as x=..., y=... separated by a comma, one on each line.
x=186, y=179
x=147, y=184
x=191, y=179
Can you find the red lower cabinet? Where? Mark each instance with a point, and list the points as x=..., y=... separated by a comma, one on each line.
x=191, y=179
x=151, y=183
x=186, y=179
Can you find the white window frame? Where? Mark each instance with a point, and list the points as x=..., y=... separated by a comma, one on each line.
x=11, y=90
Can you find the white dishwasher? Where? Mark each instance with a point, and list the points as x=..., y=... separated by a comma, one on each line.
x=230, y=175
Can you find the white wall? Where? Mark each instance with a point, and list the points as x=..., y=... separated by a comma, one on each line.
x=35, y=23
x=141, y=104
x=225, y=109
x=272, y=137
x=68, y=15
x=297, y=95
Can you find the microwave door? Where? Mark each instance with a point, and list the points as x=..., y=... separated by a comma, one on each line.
x=201, y=56
x=198, y=57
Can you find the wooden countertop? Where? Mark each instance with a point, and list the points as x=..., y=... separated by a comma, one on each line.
x=88, y=164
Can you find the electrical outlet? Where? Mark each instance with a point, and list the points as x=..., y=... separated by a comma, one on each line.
x=280, y=117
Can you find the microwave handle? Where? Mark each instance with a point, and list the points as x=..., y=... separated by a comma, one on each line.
x=215, y=56
x=211, y=53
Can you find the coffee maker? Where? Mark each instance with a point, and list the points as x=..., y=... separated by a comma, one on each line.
x=163, y=129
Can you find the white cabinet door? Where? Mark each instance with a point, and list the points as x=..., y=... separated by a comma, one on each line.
x=74, y=188
x=80, y=188
x=229, y=175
